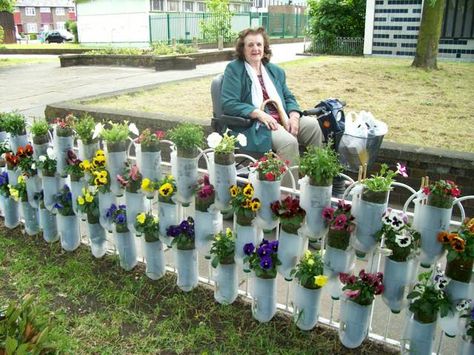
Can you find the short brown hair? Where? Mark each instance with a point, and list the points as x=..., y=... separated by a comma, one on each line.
x=239, y=46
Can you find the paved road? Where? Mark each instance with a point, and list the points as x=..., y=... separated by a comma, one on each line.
x=30, y=87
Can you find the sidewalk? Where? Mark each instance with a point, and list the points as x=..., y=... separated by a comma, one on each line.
x=29, y=88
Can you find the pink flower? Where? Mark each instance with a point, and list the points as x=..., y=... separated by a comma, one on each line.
x=160, y=134
x=328, y=214
x=134, y=172
x=426, y=190
x=122, y=181
x=455, y=192
x=340, y=222
x=352, y=293
x=402, y=170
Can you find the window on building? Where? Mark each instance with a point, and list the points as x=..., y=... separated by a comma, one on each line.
x=201, y=7
x=245, y=8
x=60, y=25
x=60, y=11
x=157, y=5
x=173, y=6
x=31, y=27
x=458, y=20
x=235, y=8
x=188, y=6
x=45, y=10
x=71, y=10
x=30, y=11
x=45, y=27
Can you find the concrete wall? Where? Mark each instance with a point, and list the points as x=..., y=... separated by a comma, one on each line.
x=392, y=28
x=111, y=21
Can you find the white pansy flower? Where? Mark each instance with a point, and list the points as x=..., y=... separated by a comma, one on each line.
x=133, y=128
x=403, y=240
x=463, y=305
x=97, y=130
x=242, y=139
x=42, y=158
x=33, y=166
x=386, y=218
x=214, y=139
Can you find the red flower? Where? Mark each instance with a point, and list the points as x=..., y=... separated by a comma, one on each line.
x=20, y=152
x=264, y=158
x=29, y=150
x=160, y=134
x=270, y=176
x=455, y=192
x=426, y=190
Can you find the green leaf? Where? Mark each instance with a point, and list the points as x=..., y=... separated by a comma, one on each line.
x=10, y=345
x=215, y=262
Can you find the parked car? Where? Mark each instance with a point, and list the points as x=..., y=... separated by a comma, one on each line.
x=58, y=37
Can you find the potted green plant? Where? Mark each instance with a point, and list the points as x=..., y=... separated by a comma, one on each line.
x=131, y=181
x=403, y=243
x=291, y=239
x=40, y=132
x=147, y=226
x=185, y=253
x=466, y=346
x=360, y=292
x=63, y=141
x=319, y=165
x=188, y=138
x=226, y=279
x=167, y=208
x=460, y=257
x=88, y=204
x=19, y=193
x=307, y=294
x=150, y=154
x=9, y=206
x=68, y=224
x=15, y=126
x=3, y=127
x=87, y=144
x=269, y=169
x=432, y=215
x=428, y=299
x=245, y=207
x=207, y=218
x=263, y=261
x=116, y=141
x=224, y=164
x=124, y=240
x=371, y=204
x=46, y=164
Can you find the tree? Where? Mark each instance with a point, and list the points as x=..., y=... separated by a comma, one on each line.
x=7, y=5
x=219, y=22
x=429, y=34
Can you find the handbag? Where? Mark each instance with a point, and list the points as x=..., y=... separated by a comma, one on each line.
x=281, y=112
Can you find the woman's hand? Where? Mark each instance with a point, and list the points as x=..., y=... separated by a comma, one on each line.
x=266, y=119
x=294, y=123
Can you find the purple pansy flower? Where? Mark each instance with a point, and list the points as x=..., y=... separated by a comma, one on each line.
x=249, y=248
x=266, y=262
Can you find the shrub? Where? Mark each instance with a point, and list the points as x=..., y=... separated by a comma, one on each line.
x=39, y=128
x=334, y=18
x=71, y=26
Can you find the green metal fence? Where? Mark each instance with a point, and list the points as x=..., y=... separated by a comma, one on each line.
x=339, y=46
x=184, y=27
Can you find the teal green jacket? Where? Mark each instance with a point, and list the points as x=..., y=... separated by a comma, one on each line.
x=237, y=101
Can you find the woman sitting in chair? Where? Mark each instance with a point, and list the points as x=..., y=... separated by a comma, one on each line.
x=254, y=88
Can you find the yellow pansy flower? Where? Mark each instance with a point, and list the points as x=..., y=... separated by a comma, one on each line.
x=234, y=190
x=85, y=165
x=307, y=254
x=89, y=198
x=147, y=185
x=255, y=205
x=141, y=218
x=80, y=200
x=14, y=193
x=166, y=190
x=100, y=153
x=320, y=280
x=248, y=191
x=310, y=262
x=21, y=179
x=228, y=233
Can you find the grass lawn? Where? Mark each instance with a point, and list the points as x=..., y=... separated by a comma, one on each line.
x=96, y=307
x=432, y=109
x=6, y=62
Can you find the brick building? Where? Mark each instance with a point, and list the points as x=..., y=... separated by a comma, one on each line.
x=34, y=16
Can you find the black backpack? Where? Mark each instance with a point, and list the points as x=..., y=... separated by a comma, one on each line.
x=331, y=118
